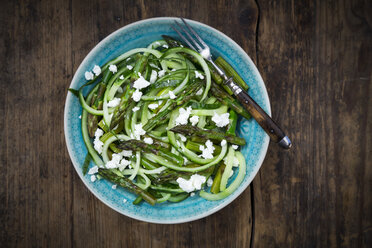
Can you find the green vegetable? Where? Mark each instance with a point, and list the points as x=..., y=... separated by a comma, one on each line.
x=142, y=148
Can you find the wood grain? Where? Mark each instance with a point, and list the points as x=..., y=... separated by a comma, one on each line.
x=315, y=58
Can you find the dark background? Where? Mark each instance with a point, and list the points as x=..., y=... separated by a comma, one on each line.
x=315, y=58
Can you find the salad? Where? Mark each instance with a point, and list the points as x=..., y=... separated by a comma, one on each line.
x=159, y=122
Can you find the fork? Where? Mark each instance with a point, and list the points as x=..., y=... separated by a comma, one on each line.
x=264, y=120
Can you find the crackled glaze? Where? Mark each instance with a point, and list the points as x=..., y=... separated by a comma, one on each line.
x=140, y=34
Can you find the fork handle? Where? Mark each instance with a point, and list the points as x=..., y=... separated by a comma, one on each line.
x=264, y=120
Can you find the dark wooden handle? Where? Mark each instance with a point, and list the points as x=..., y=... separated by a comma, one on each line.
x=265, y=121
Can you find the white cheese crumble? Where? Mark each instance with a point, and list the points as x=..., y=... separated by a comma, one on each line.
x=221, y=120
x=209, y=182
x=98, y=144
x=123, y=163
x=121, y=77
x=157, y=43
x=114, y=162
x=184, y=115
x=161, y=73
x=166, y=46
x=153, y=77
x=141, y=83
x=79, y=116
x=135, y=109
x=194, y=120
x=183, y=138
x=125, y=200
x=235, y=147
x=154, y=66
x=96, y=70
x=231, y=173
x=199, y=75
x=126, y=153
x=138, y=131
x=194, y=183
x=153, y=106
x=88, y=75
x=200, y=92
x=114, y=186
x=223, y=142
x=93, y=178
x=236, y=162
x=192, y=194
x=129, y=67
x=171, y=95
x=93, y=170
x=113, y=103
x=137, y=95
x=207, y=151
x=148, y=141
x=113, y=68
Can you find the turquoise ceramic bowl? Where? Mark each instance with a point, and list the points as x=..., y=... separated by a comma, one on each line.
x=140, y=34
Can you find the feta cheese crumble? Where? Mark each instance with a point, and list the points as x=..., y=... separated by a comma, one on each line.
x=200, y=92
x=141, y=83
x=148, y=141
x=135, y=109
x=153, y=106
x=125, y=201
x=126, y=153
x=113, y=103
x=96, y=70
x=138, y=131
x=223, y=142
x=153, y=77
x=199, y=75
x=88, y=75
x=192, y=194
x=113, y=68
x=166, y=46
x=93, y=178
x=121, y=77
x=194, y=183
x=236, y=162
x=235, y=147
x=221, y=120
x=161, y=73
x=194, y=120
x=171, y=95
x=79, y=116
x=97, y=143
x=183, y=138
x=114, y=186
x=209, y=182
x=93, y=170
x=129, y=67
x=184, y=115
x=114, y=162
x=207, y=151
x=137, y=95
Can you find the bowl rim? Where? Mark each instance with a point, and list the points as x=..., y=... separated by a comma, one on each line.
x=197, y=216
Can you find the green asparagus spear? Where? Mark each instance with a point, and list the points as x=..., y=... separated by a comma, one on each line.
x=215, y=188
x=228, y=100
x=128, y=184
x=163, y=116
x=190, y=131
x=137, y=145
x=230, y=72
x=96, y=103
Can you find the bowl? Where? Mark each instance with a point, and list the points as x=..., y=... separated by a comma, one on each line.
x=140, y=34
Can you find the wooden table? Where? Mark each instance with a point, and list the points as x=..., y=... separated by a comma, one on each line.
x=315, y=58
